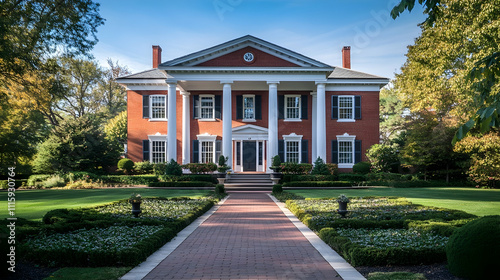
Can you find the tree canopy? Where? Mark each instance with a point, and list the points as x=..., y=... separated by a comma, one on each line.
x=34, y=30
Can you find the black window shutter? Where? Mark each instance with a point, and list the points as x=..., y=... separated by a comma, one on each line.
x=303, y=106
x=195, y=151
x=218, y=112
x=196, y=106
x=218, y=150
x=305, y=151
x=145, y=150
x=281, y=106
x=258, y=109
x=281, y=150
x=335, y=152
x=357, y=107
x=239, y=107
x=357, y=151
x=145, y=106
x=335, y=107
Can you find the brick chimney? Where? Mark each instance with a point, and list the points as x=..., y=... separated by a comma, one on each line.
x=346, y=57
x=156, y=56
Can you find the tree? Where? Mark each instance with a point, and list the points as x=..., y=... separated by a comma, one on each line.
x=116, y=130
x=75, y=145
x=454, y=66
x=111, y=95
x=33, y=30
x=392, y=120
x=484, y=152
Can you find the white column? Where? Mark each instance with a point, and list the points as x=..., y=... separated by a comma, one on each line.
x=321, y=122
x=272, y=141
x=314, y=151
x=186, y=140
x=172, y=121
x=227, y=127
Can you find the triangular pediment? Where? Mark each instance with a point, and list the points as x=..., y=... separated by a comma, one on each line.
x=231, y=54
x=249, y=129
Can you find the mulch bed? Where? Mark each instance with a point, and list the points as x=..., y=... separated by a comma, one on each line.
x=431, y=272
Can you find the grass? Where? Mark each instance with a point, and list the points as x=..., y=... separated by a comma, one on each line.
x=33, y=204
x=480, y=202
x=395, y=276
x=94, y=273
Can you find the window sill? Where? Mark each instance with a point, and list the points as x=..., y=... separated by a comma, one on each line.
x=207, y=120
x=346, y=120
x=249, y=120
x=158, y=120
x=292, y=120
x=345, y=165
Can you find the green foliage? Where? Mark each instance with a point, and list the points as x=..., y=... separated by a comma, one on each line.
x=200, y=168
x=296, y=168
x=276, y=161
x=361, y=167
x=182, y=184
x=127, y=180
x=125, y=164
x=94, y=273
x=431, y=9
x=352, y=177
x=54, y=181
x=395, y=276
x=317, y=184
x=75, y=145
x=219, y=189
x=320, y=168
x=292, y=177
x=116, y=130
x=223, y=167
x=159, y=168
x=4, y=184
x=277, y=189
x=484, y=153
x=173, y=168
x=143, y=167
x=473, y=250
x=35, y=180
x=384, y=157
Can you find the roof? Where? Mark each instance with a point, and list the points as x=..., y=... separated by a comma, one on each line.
x=344, y=73
x=239, y=43
x=148, y=74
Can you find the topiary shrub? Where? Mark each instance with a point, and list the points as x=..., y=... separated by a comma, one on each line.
x=173, y=168
x=219, y=189
x=320, y=168
x=277, y=189
x=473, y=251
x=125, y=164
x=362, y=167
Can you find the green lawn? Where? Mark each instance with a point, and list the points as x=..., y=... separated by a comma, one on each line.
x=479, y=202
x=33, y=204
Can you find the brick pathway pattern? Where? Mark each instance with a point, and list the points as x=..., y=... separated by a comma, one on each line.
x=247, y=238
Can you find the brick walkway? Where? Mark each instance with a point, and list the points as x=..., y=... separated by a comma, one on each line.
x=249, y=237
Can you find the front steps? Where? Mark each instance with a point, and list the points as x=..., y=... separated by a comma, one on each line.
x=246, y=181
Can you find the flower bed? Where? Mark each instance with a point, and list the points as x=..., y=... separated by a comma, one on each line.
x=161, y=209
x=108, y=235
x=381, y=230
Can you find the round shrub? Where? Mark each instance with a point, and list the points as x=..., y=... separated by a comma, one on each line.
x=125, y=164
x=362, y=167
x=473, y=251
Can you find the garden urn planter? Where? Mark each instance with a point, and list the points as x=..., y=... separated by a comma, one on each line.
x=136, y=208
x=342, y=208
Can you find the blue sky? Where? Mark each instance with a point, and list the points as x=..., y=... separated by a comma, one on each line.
x=315, y=28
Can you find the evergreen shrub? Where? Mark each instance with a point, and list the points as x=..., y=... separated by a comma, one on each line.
x=473, y=251
x=277, y=188
x=125, y=164
x=362, y=167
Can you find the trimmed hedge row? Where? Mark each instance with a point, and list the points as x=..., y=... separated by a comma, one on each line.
x=367, y=256
x=292, y=177
x=318, y=184
x=129, y=180
x=182, y=184
x=64, y=220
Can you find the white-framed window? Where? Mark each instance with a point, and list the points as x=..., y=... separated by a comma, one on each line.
x=207, y=151
x=158, y=148
x=292, y=107
x=206, y=148
x=346, y=107
x=207, y=107
x=293, y=147
x=248, y=107
x=158, y=107
x=346, y=150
